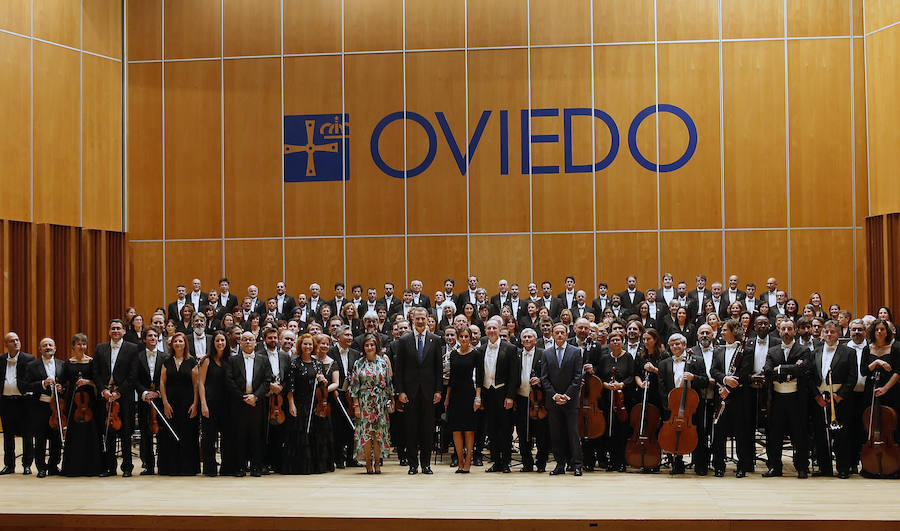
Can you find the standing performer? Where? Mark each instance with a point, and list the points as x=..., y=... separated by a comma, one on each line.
x=834, y=376
x=180, y=398
x=616, y=368
x=531, y=428
x=280, y=364
x=81, y=455
x=702, y=353
x=731, y=369
x=42, y=376
x=496, y=374
x=673, y=371
x=146, y=383
x=115, y=369
x=248, y=377
x=213, y=391
x=561, y=371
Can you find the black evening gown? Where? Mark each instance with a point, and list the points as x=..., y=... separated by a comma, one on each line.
x=179, y=458
x=308, y=451
x=460, y=414
x=81, y=455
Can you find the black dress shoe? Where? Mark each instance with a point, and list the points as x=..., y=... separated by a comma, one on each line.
x=740, y=474
x=802, y=474
x=207, y=474
x=587, y=468
x=427, y=470
x=772, y=473
x=477, y=461
x=240, y=474
x=340, y=465
x=42, y=473
x=701, y=472
x=494, y=468
x=622, y=468
x=106, y=474
x=26, y=471
x=403, y=461
x=577, y=471
x=570, y=468
x=505, y=469
x=147, y=472
x=353, y=463
x=6, y=470
x=526, y=469
x=256, y=473
x=843, y=475
x=413, y=471
x=126, y=474
x=822, y=474
x=720, y=472
x=540, y=469
x=558, y=471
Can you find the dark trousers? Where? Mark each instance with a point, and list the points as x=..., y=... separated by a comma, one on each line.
x=212, y=430
x=735, y=421
x=440, y=413
x=835, y=443
x=419, y=429
x=40, y=428
x=787, y=415
x=703, y=420
x=529, y=432
x=498, y=422
x=248, y=435
x=126, y=415
x=14, y=416
x=148, y=439
x=275, y=435
x=343, y=430
x=398, y=433
x=614, y=440
x=563, y=426
x=856, y=433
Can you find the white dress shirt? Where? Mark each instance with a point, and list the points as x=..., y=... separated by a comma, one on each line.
x=760, y=351
x=273, y=362
x=827, y=358
x=195, y=300
x=678, y=371
x=527, y=361
x=248, y=369
x=668, y=294
x=114, y=354
x=860, y=379
x=10, y=386
x=490, y=365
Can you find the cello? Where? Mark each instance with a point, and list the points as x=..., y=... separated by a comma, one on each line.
x=643, y=450
x=678, y=435
x=591, y=422
x=880, y=453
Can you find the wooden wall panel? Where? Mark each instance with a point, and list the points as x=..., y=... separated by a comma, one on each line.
x=374, y=89
x=58, y=21
x=754, y=256
x=687, y=254
x=374, y=261
x=513, y=264
x=497, y=23
x=312, y=260
x=688, y=75
x=253, y=180
x=819, y=78
x=679, y=20
x=816, y=18
x=880, y=13
x=102, y=144
x=304, y=217
x=859, y=135
x=435, y=82
x=431, y=259
x=623, y=20
x=747, y=20
x=146, y=291
x=754, y=134
x=560, y=78
x=186, y=261
x=435, y=24
x=256, y=262
x=15, y=15
x=884, y=113
x=144, y=154
x=856, y=14
x=862, y=273
x=103, y=27
x=623, y=86
x=626, y=253
x=15, y=120
x=875, y=261
x=554, y=22
x=312, y=26
x=18, y=280
x=144, y=29
x=192, y=29
x=820, y=261
x=498, y=81
x=577, y=250
x=252, y=27
x=193, y=144
x=57, y=184
x=373, y=25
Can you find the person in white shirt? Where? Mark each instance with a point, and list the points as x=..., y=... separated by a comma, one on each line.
x=858, y=397
x=42, y=376
x=531, y=430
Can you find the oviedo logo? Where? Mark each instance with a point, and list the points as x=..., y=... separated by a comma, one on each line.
x=317, y=144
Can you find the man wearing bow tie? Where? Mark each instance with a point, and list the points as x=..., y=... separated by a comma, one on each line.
x=248, y=376
x=13, y=407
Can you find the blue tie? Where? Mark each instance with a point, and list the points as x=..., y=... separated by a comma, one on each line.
x=559, y=356
x=420, y=346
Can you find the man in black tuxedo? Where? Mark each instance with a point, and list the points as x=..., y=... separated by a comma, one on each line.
x=42, y=375
x=174, y=310
x=720, y=303
x=256, y=304
x=199, y=342
x=285, y=303
x=13, y=405
x=631, y=297
x=553, y=304
x=515, y=304
x=579, y=305
x=227, y=300
x=696, y=297
x=340, y=297
x=561, y=371
x=734, y=293
x=417, y=376
x=197, y=297
x=357, y=299
x=391, y=303
x=115, y=371
x=502, y=297
x=248, y=376
x=667, y=292
x=528, y=372
x=146, y=383
x=345, y=357
x=496, y=375
x=734, y=386
x=789, y=369
x=467, y=296
x=279, y=365
x=750, y=302
x=601, y=302
x=568, y=296
x=419, y=298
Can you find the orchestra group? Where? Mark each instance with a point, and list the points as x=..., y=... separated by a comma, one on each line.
x=638, y=380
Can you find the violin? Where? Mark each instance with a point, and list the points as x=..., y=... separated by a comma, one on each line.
x=880, y=453
x=643, y=450
x=276, y=409
x=351, y=402
x=323, y=408
x=591, y=421
x=83, y=412
x=153, y=419
x=536, y=408
x=678, y=435
x=112, y=412
x=618, y=398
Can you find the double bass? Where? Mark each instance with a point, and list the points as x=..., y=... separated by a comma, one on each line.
x=880, y=453
x=591, y=422
x=643, y=450
x=678, y=435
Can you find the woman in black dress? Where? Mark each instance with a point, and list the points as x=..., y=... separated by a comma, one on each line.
x=135, y=330
x=214, y=404
x=178, y=388
x=81, y=456
x=882, y=356
x=463, y=399
x=309, y=446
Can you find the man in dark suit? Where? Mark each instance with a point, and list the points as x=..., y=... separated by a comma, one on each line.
x=840, y=361
x=696, y=297
x=391, y=303
x=280, y=366
x=13, y=405
x=750, y=302
x=568, y=296
x=561, y=371
x=370, y=325
x=720, y=303
x=340, y=297
x=256, y=303
x=528, y=372
x=417, y=376
x=601, y=302
x=285, y=303
x=42, y=375
x=419, y=298
x=115, y=370
x=788, y=368
x=553, y=304
x=734, y=293
x=227, y=300
x=146, y=383
x=199, y=342
x=345, y=358
x=502, y=297
x=174, y=310
x=579, y=305
x=631, y=297
x=468, y=295
x=691, y=369
x=515, y=304
x=197, y=297
x=496, y=375
x=248, y=376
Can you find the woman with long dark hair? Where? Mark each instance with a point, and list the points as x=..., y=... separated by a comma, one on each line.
x=213, y=394
x=179, y=392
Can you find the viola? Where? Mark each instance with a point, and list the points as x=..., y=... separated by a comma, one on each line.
x=323, y=408
x=880, y=453
x=276, y=410
x=678, y=435
x=619, y=398
x=112, y=412
x=153, y=419
x=643, y=450
x=591, y=421
x=536, y=408
x=83, y=412
x=56, y=408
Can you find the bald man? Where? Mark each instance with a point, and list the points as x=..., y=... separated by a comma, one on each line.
x=42, y=375
x=248, y=376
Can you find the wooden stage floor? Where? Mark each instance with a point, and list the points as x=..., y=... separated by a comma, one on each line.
x=350, y=499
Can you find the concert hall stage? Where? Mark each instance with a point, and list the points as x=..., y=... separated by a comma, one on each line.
x=350, y=499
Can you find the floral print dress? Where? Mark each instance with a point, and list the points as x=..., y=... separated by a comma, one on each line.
x=371, y=387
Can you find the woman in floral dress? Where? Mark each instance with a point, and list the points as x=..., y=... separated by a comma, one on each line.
x=372, y=391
